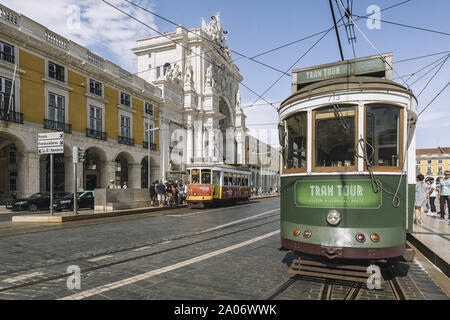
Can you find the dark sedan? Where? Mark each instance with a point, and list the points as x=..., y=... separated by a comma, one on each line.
x=40, y=200
x=85, y=199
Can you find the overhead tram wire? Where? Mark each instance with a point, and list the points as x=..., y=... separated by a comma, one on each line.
x=410, y=75
x=425, y=74
x=439, y=93
x=336, y=29
x=425, y=56
x=437, y=71
x=160, y=33
x=318, y=33
x=373, y=46
x=315, y=43
x=405, y=25
x=199, y=35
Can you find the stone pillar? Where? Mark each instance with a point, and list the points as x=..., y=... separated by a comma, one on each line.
x=240, y=140
x=190, y=144
x=28, y=177
x=198, y=143
x=108, y=172
x=164, y=143
x=134, y=175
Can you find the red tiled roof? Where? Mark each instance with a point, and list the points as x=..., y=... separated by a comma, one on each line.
x=438, y=150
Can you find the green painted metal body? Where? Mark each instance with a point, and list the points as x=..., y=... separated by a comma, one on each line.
x=305, y=201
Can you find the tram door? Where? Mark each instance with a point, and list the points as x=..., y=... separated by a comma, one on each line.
x=215, y=184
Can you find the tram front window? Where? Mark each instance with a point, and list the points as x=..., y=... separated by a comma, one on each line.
x=206, y=176
x=335, y=137
x=383, y=135
x=295, y=151
x=195, y=176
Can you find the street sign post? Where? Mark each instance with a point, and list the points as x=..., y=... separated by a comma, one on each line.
x=51, y=143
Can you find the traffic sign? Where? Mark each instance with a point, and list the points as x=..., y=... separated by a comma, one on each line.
x=50, y=135
x=50, y=150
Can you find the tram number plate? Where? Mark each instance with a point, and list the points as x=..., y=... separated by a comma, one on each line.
x=357, y=194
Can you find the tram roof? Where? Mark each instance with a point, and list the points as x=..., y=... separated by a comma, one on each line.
x=221, y=167
x=345, y=83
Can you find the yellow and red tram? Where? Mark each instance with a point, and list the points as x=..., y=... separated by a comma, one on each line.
x=222, y=184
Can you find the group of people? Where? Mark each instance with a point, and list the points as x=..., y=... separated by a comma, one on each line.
x=427, y=192
x=113, y=185
x=169, y=193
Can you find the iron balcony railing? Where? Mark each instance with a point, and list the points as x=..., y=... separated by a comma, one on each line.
x=152, y=145
x=57, y=126
x=95, y=134
x=126, y=140
x=11, y=116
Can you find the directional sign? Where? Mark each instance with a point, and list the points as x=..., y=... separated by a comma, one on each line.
x=48, y=150
x=50, y=143
x=50, y=135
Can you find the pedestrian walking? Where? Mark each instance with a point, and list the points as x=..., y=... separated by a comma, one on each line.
x=152, y=193
x=445, y=195
x=111, y=184
x=125, y=185
x=421, y=199
x=432, y=194
x=161, y=193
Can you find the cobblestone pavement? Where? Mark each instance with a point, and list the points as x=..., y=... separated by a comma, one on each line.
x=223, y=253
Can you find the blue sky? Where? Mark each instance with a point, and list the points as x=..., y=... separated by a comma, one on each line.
x=257, y=26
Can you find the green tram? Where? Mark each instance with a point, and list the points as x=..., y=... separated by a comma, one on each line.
x=348, y=146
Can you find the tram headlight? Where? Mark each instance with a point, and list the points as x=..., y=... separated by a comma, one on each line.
x=333, y=217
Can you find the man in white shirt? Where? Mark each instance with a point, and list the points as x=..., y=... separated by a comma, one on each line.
x=432, y=193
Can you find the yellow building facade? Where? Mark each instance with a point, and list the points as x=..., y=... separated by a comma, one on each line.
x=49, y=83
x=433, y=162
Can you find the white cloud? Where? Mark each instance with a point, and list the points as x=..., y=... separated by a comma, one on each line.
x=102, y=29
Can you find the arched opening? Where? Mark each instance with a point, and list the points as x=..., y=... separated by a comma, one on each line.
x=59, y=173
x=225, y=124
x=121, y=163
x=92, y=173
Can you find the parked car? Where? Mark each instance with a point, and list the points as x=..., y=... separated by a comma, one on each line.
x=40, y=200
x=85, y=199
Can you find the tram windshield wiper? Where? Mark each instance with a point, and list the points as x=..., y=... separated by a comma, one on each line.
x=338, y=113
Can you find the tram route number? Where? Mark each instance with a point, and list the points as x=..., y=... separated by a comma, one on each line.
x=228, y=309
x=334, y=98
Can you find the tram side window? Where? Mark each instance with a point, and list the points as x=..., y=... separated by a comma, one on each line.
x=195, y=176
x=245, y=181
x=383, y=135
x=239, y=181
x=295, y=151
x=225, y=179
x=188, y=176
x=206, y=176
x=334, y=137
x=230, y=180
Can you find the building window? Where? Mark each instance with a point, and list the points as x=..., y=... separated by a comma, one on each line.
x=55, y=71
x=125, y=99
x=12, y=180
x=125, y=126
x=440, y=161
x=418, y=161
x=5, y=95
x=158, y=72
x=428, y=161
x=147, y=127
x=166, y=68
x=56, y=107
x=95, y=88
x=440, y=171
x=6, y=52
x=428, y=170
x=12, y=154
x=418, y=169
x=149, y=108
x=95, y=118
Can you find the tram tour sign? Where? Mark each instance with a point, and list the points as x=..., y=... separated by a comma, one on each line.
x=353, y=194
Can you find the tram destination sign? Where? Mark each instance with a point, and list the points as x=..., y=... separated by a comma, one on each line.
x=371, y=66
x=353, y=194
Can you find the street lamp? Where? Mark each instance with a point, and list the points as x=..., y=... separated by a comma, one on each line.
x=148, y=145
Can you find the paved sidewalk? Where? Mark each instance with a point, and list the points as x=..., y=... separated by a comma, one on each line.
x=432, y=238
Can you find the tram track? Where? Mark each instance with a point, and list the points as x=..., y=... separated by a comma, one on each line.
x=354, y=289
x=139, y=256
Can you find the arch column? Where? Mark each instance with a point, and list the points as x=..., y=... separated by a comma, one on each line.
x=134, y=175
x=108, y=169
x=28, y=178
